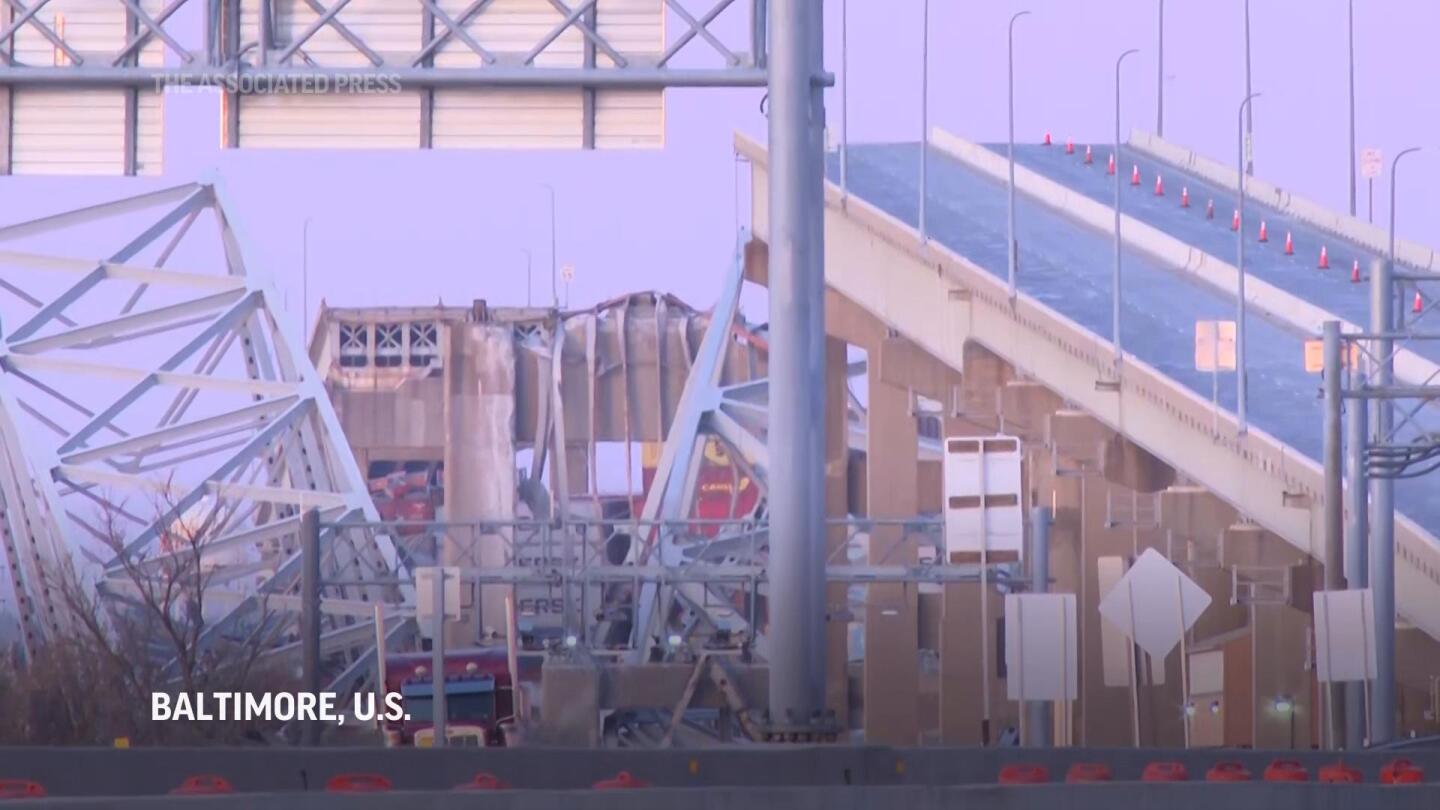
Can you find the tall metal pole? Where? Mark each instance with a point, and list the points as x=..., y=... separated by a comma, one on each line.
x=529, y=275
x=1249, y=115
x=1334, y=490
x=1160, y=76
x=1356, y=564
x=844, y=98
x=310, y=613
x=797, y=390
x=924, y=114
x=305, y=283
x=1115, y=281
x=1382, y=491
x=1038, y=712
x=1350, y=159
x=1012, y=247
x=554, y=280
x=439, y=709
x=1241, y=385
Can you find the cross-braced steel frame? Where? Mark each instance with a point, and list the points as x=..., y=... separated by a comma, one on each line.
x=139, y=400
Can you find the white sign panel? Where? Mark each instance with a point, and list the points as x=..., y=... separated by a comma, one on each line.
x=1344, y=636
x=1154, y=603
x=426, y=578
x=1040, y=647
x=983, y=497
x=1371, y=162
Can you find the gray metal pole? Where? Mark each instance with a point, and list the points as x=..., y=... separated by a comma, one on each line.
x=924, y=115
x=1240, y=370
x=1038, y=712
x=305, y=284
x=1115, y=281
x=1249, y=114
x=310, y=613
x=1012, y=248
x=1382, y=491
x=1350, y=161
x=439, y=708
x=797, y=390
x=844, y=98
x=554, y=279
x=1356, y=564
x=1334, y=490
x=1160, y=76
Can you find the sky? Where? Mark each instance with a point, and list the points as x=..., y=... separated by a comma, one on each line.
x=418, y=227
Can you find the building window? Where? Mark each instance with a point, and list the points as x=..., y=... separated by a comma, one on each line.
x=354, y=345
x=389, y=345
x=423, y=343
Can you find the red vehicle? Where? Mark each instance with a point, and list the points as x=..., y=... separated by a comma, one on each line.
x=479, y=698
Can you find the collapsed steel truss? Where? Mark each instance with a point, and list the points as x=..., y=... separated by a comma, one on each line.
x=138, y=399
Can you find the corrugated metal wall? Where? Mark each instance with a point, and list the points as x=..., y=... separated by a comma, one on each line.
x=84, y=131
x=459, y=118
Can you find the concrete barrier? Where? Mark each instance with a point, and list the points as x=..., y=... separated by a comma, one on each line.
x=1372, y=237
x=1177, y=796
x=154, y=771
x=1271, y=302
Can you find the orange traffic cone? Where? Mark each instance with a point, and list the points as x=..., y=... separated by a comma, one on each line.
x=1324, y=258
x=1184, y=197
x=1210, y=209
x=1264, y=234
x=1047, y=139
x=1159, y=186
x=1419, y=305
x=1089, y=158
x=1111, y=168
x=1135, y=176
x=1289, y=245
x=1235, y=221
x=1355, y=272
x=1069, y=147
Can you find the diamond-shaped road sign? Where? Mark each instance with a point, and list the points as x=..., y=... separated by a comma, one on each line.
x=1154, y=604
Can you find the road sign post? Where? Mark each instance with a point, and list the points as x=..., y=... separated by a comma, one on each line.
x=437, y=599
x=1214, y=352
x=1372, y=161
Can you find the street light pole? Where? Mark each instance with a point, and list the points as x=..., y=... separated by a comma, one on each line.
x=1012, y=247
x=305, y=283
x=1240, y=381
x=1382, y=490
x=1249, y=116
x=1160, y=77
x=844, y=100
x=924, y=113
x=528, y=274
x=1351, y=159
x=1115, y=282
x=554, y=280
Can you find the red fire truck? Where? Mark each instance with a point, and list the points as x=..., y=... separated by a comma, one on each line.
x=479, y=697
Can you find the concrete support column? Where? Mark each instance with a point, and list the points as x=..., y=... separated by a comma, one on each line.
x=891, y=624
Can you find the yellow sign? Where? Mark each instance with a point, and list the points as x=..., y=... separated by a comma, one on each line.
x=1214, y=345
x=1315, y=356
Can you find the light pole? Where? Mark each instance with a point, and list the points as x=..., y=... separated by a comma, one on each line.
x=924, y=112
x=1351, y=160
x=305, y=283
x=1115, y=282
x=1160, y=76
x=1240, y=384
x=1249, y=117
x=554, y=280
x=1382, y=490
x=844, y=100
x=1012, y=248
x=528, y=274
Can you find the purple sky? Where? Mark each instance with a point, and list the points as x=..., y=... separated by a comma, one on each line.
x=415, y=227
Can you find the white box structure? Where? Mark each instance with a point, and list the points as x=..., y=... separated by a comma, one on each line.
x=983, y=498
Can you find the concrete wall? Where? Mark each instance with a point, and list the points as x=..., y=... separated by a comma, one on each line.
x=139, y=772
x=1252, y=796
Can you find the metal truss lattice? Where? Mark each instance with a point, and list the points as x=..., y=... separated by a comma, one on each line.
x=147, y=383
